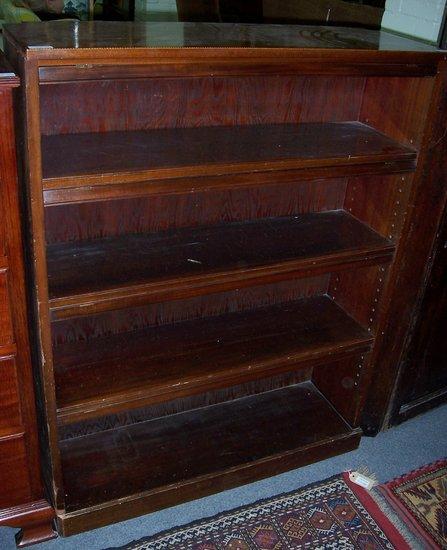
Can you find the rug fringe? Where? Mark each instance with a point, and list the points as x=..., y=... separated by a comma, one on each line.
x=410, y=538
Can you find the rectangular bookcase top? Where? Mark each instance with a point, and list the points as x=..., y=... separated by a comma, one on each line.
x=7, y=75
x=101, y=34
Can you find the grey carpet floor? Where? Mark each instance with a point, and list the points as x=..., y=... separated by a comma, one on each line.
x=390, y=454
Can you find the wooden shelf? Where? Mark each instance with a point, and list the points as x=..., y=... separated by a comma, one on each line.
x=114, y=373
x=97, y=159
x=112, y=190
x=91, y=276
x=269, y=432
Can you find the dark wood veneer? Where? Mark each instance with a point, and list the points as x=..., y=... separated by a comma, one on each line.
x=422, y=380
x=271, y=66
x=139, y=458
x=143, y=503
x=211, y=151
x=427, y=200
x=21, y=492
x=163, y=363
x=35, y=520
x=71, y=36
x=115, y=188
x=302, y=159
x=104, y=274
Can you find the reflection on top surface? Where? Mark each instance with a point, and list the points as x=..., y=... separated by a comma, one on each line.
x=101, y=34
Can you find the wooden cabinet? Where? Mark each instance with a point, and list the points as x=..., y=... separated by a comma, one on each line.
x=220, y=219
x=21, y=496
x=422, y=380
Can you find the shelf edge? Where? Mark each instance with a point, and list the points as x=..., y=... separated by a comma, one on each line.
x=84, y=519
x=69, y=192
x=141, y=398
x=88, y=180
x=181, y=288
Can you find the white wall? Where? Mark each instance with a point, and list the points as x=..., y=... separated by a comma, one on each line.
x=155, y=10
x=420, y=18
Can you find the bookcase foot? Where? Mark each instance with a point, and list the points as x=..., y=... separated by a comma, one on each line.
x=33, y=534
x=34, y=519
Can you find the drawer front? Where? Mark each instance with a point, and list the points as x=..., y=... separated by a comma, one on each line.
x=2, y=218
x=9, y=395
x=14, y=480
x=6, y=330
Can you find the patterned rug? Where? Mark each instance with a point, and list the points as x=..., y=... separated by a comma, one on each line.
x=332, y=514
x=420, y=500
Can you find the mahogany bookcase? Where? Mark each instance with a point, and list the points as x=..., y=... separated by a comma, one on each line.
x=219, y=227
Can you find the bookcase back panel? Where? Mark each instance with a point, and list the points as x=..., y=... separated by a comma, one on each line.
x=127, y=418
x=341, y=383
x=359, y=293
x=398, y=107
x=142, y=104
x=164, y=313
x=380, y=201
x=86, y=221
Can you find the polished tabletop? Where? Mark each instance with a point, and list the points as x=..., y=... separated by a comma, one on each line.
x=7, y=75
x=102, y=34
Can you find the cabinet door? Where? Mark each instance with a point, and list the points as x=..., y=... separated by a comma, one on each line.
x=423, y=380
